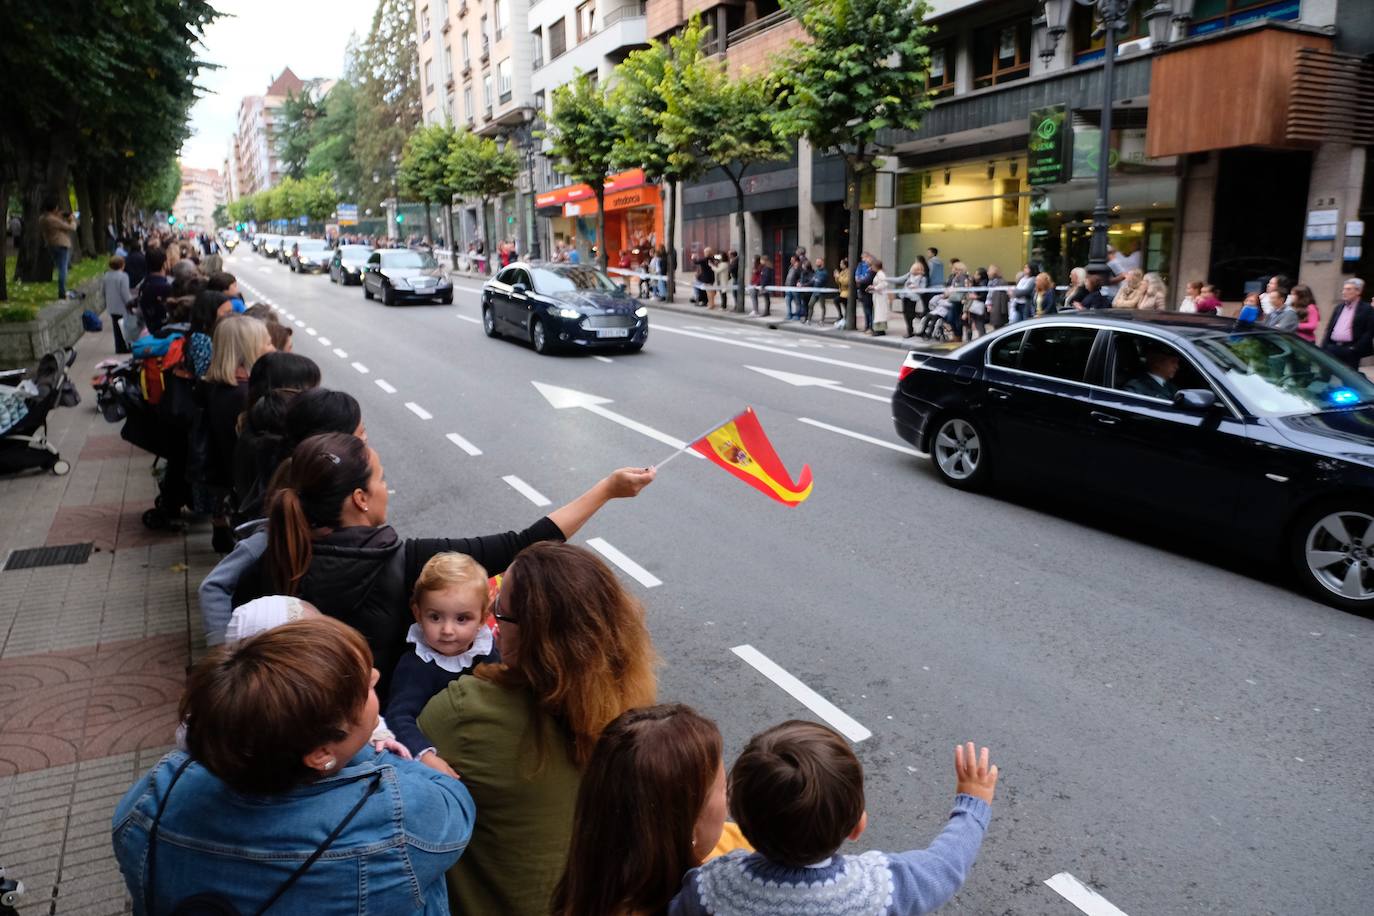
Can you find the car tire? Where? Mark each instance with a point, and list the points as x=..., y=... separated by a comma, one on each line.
x=367, y=293
x=388, y=296
x=447, y=300
x=1332, y=553
x=539, y=337
x=959, y=452
x=489, y=321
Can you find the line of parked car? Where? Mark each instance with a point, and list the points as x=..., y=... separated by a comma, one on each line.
x=393, y=275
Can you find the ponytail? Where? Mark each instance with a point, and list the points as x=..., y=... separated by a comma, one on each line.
x=311, y=489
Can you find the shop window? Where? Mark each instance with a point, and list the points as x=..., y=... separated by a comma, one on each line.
x=1089, y=43
x=940, y=78
x=558, y=39
x=706, y=232
x=976, y=211
x=1213, y=15
x=1001, y=53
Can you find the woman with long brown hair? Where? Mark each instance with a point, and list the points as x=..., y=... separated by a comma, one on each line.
x=329, y=543
x=575, y=654
x=651, y=806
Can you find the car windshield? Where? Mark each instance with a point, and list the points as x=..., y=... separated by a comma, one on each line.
x=408, y=259
x=570, y=279
x=313, y=245
x=354, y=252
x=1280, y=375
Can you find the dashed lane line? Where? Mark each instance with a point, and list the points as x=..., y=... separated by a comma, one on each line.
x=627, y=566
x=324, y=341
x=872, y=440
x=603, y=359
x=311, y=331
x=385, y=386
x=299, y=323
x=527, y=491
x=464, y=444
x=468, y=318
x=363, y=370
x=1082, y=896
x=835, y=717
x=419, y=411
x=341, y=354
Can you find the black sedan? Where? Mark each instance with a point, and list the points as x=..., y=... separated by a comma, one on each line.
x=556, y=306
x=347, y=265
x=308, y=256
x=402, y=275
x=1211, y=425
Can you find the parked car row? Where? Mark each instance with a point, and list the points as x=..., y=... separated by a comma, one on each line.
x=393, y=275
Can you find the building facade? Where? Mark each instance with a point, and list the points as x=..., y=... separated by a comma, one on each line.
x=256, y=164
x=202, y=190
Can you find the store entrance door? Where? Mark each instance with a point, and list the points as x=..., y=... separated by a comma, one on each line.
x=779, y=239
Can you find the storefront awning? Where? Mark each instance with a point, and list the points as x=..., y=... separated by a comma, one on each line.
x=573, y=193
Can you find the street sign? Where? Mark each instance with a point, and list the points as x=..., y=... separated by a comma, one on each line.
x=1050, y=147
x=348, y=214
x=303, y=220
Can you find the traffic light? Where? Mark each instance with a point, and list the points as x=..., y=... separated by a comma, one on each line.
x=171, y=220
x=400, y=217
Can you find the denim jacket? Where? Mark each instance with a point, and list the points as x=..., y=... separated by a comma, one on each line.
x=390, y=859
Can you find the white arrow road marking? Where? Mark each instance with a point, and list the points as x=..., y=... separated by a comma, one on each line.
x=1082, y=896
x=778, y=350
x=340, y=353
x=810, y=381
x=361, y=368
x=419, y=411
x=385, y=386
x=527, y=491
x=627, y=566
x=832, y=714
x=562, y=398
x=468, y=318
x=464, y=444
x=872, y=440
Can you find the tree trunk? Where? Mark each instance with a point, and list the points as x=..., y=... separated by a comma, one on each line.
x=670, y=219
x=100, y=210
x=85, y=237
x=490, y=252
x=448, y=232
x=851, y=306
x=429, y=226
x=5, y=241
x=743, y=247
x=600, y=189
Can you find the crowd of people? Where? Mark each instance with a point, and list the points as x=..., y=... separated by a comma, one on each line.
x=463, y=724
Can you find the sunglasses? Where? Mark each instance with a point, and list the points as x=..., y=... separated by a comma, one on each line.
x=496, y=610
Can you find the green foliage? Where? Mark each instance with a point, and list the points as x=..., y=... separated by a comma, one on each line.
x=221, y=216
x=316, y=197
x=296, y=122
x=480, y=167
x=160, y=190
x=335, y=134
x=26, y=299
x=385, y=70
x=425, y=174
x=582, y=132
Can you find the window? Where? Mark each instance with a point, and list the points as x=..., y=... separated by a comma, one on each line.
x=424, y=24
x=1088, y=42
x=1212, y=15
x=449, y=114
x=1059, y=352
x=1001, y=53
x=538, y=36
x=1151, y=368
x=469, y=113
x=558, y=39
x=503, y=81
x=486, y=92
x=467, y=56
x=448, y=63
x=1283, y=375
x=502, y=17
x=1006, y=352
x=485, y=41
x=941, y=77
x=429, y=76
x=586, y=20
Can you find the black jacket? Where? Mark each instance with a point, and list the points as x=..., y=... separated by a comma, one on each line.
x=364, y=577
x=1362, y=335
x=136, y=266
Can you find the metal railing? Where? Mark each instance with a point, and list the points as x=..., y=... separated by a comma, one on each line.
x=761, y=24
x=628, y=11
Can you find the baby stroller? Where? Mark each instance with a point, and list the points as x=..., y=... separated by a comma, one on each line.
x=24, y=407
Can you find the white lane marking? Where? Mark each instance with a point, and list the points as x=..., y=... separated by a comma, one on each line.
x=562, y=398
x=527, y=491
x=288, y=315
x=883, y=387
x=464, y=444
x=778, y=350
x=299, y=323
x=468, y=318
x=832, y=714
x=324, y=341
x=266, y=270
x=341, y=354
x=627, y=566
x=311, y=331
x=811, y=381
x=872, y=440
x=603, y=359
x=361, y=368
x=1082, y=896
x=385, y=386
x=419, y=411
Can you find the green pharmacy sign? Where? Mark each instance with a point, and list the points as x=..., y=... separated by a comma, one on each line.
x=1050, y=147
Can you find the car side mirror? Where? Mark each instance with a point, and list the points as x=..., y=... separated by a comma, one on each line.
x=519, y=288
x=1195, y=399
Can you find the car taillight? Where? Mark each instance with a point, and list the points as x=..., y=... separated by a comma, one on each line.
x=905, y=371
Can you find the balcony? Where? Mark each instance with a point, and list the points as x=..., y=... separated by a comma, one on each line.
x=761, y=24
x=467, y=70
x=447, y=25
x=486, y=50
x=628, y=11
x=498, y=34
x=448, y=83
x=463, y=9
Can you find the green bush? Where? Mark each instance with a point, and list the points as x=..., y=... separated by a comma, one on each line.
x=25, y=299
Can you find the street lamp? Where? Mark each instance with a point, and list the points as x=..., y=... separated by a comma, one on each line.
x=525, y=140
x=1161, y=18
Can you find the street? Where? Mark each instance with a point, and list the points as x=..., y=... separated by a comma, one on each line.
x=1180, y=736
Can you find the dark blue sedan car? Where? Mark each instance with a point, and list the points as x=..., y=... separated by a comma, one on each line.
x=563, y=306
x=1253, y=436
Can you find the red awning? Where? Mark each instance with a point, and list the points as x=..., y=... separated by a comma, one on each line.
x=575, y=192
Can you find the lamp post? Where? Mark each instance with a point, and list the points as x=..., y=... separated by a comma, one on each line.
x=1161, y=17
x=525, y=140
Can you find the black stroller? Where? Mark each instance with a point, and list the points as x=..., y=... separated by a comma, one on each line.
x=26, y=397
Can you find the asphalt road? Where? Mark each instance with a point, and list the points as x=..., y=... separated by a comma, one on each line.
x=1180, y=736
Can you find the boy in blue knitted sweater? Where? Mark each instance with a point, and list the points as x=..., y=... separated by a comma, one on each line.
x=798, y=793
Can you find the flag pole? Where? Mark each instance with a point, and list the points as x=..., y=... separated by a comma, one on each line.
x=688, y=444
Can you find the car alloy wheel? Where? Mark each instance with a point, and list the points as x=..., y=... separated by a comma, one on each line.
x=367, y=290
x=958, y=452
x=1337, y=556
x=539, y=337
x=388, y=297
x=488, y=321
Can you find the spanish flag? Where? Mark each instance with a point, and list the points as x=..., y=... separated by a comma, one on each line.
x=741, y=447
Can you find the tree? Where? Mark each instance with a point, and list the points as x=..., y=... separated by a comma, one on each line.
x=220, y=217
x=386, y=72
x=708, y=99
x=863, y=71
x=479, y=167
x=424, y=173
x=316, y=197
x=297, y=135
x=646, y=80
x=582, y=131
x=335, y=134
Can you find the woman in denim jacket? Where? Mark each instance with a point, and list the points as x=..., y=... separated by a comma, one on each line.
x=282, y=803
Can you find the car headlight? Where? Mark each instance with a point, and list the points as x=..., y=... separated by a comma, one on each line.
x=399, y=282
x=573, y=314
x=642, y=312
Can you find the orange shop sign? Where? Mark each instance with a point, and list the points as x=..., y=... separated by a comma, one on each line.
x=559, y=197
x=643, y=196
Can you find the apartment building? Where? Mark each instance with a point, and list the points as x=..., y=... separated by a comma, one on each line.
x=202, y=190
x=256, y=165
x=1230, y=142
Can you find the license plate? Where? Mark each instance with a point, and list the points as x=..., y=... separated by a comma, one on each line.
x=421, y=281
x=612, y=332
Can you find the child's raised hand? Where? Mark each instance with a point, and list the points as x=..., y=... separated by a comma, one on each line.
x=972, y=774
x=391, y=744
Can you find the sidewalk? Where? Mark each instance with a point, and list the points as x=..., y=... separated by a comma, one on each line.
x=92, y=654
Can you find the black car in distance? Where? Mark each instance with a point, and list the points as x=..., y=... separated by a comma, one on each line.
x=1212, y=424
x=563, y=306
x=404, y=275
x=347, y=264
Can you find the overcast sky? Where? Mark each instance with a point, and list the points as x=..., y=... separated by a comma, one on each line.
x=252, y=42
